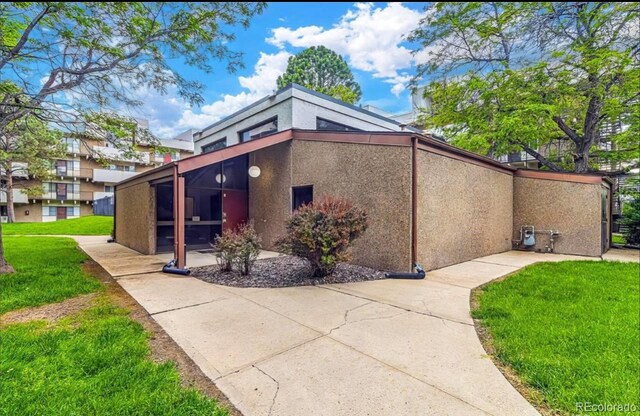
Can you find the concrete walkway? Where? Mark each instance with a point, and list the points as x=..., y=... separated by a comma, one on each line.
x=388, y=347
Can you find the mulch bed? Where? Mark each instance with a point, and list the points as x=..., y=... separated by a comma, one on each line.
x=285, y=271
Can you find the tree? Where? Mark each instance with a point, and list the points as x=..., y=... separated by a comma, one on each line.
x=27, y=148
x=68, y=58
x=508, y=77
x=321, y=69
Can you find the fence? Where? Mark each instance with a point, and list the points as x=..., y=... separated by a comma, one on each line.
x=103, y=206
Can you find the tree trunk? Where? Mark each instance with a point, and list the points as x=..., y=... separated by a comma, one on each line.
x=4, y=266
x=11, y=213
x=581, y=162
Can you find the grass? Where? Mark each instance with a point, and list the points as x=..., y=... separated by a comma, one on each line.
x=92, y=363
x=96, y=361
x=618, y=239
x=89, y=225
x=48, y=270
x=569, y=330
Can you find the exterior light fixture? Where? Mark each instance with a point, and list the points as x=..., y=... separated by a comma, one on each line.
x=254, y=171
x=220, y=178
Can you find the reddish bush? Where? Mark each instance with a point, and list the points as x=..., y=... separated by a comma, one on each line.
x=322, y=233
x=239, y=247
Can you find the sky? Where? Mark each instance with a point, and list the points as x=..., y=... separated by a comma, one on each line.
x=369, y=36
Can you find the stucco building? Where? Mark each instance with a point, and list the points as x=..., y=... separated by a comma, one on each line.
x=428, y=202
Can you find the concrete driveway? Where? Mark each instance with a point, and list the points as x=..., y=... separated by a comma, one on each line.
x=388, y=347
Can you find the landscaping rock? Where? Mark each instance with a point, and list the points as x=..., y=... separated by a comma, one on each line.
x=284, y=271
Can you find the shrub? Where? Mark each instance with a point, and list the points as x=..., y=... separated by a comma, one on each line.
x=239, y=247
x=631, y=221
x=322, y=233
x=248, y=245
x=225, y=250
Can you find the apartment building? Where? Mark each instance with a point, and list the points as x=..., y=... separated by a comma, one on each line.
x=79, y=178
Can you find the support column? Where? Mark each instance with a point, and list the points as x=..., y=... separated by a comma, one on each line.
x=178, y=219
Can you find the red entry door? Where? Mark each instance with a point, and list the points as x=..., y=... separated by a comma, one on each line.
x=61, y=213
x=235, y=208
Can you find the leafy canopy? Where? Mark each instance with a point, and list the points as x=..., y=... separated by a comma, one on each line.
x=67, y=58
x=506, y=77
x=321, y=69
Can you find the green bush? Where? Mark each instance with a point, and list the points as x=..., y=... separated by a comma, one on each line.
x=239, y=247
x=631, y=221
x=248, y=245
x=322, y=233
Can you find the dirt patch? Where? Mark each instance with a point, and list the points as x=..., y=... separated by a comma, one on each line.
x=163, y=347
x=285, y=271
x=532, y=395
x=51, y=312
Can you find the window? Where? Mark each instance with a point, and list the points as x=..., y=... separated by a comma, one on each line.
x=217, y=145
x=301, y=195
x=326, y=125
x=61, y=167
x=108, y=188
x=73, y=145
x=70, y=211
x=260, y=130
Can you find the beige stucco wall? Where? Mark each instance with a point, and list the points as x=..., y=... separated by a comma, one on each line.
x=270, y=193
x=35, y=212
x=86, y=209
x=377, y=178
x=135, y=217
x=464, y=211
x=573, y=209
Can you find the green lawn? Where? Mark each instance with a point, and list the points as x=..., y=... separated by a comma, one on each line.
x=569, y=330
x=89, y=225
x=94, y=362
x=618, y=239
x=47, y=271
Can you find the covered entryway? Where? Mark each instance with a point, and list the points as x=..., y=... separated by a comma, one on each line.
x=215, y=199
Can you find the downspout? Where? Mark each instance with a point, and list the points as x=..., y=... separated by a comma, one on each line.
x=419, y=271
x=414, y=200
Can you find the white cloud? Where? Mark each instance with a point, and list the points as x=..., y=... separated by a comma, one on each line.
x=169, y=115
x=370, y=38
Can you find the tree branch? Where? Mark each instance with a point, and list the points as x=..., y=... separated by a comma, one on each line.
x=25, y=36
x=568, y=130
x=541, y=158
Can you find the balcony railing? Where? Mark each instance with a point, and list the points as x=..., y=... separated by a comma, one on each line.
x=18, y=197
x=68, y=196
x=114, y=154
x=73, y=173
x=111, y=176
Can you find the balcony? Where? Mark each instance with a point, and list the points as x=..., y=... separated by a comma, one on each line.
x=84, y=173
x=114, y=154
x=111, y=176
x=18, y=197
x=100, y=195
x=19, y=170
x=69, y=196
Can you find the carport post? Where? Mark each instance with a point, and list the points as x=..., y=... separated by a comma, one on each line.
x=178, y=219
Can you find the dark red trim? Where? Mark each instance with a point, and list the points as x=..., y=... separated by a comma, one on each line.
x=560, y=176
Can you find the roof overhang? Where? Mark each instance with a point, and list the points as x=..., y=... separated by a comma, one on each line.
x=406, y=139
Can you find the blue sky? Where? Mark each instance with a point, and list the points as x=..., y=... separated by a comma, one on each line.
x=368, y=35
